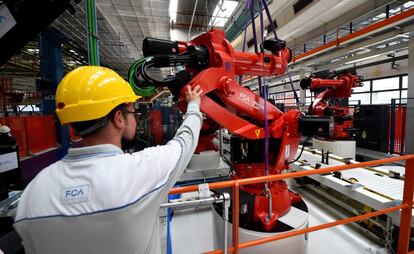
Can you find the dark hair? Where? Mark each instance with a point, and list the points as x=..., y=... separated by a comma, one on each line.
x=80, y=127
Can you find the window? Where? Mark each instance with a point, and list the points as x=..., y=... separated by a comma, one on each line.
x=280, y=96
x=289, y=95
x=364, y=88
x=28, y=108
x=377, y=91
x=269, y=27
x=290, y=101
x=300, y=5
x=384, y=97
x=386, y=84
x=405, y=82
x=360, y=98
x=223, y=11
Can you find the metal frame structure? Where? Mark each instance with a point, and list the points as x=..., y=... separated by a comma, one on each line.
x=409, y=137
x=224, y=199
x=405, y=206
x=394, y=20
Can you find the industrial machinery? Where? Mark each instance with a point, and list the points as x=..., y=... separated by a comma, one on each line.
x=366, y=116
x=358, y=191
x=264, y=140
x=338, y=87
x=11, y=181
x=330, y=90
x=10, y=171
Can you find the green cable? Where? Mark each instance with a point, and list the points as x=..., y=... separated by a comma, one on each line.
x=145, y=91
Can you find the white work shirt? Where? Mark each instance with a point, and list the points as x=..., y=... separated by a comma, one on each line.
x=99, y=200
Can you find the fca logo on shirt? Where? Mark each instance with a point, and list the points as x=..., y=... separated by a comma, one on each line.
x=74, y=193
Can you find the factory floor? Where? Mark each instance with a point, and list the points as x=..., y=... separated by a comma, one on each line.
x=192, y=230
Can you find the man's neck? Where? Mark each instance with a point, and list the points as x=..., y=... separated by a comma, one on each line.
x=101, y=139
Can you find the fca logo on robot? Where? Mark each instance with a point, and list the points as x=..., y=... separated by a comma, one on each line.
x=2, y=18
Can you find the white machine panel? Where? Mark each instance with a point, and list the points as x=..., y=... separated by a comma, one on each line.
x=8, y=161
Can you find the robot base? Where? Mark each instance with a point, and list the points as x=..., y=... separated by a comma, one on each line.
x=297, y=218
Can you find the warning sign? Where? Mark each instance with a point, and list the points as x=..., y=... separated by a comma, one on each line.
x=364, y=135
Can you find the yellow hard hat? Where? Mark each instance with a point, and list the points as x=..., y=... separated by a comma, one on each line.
x=91, y=92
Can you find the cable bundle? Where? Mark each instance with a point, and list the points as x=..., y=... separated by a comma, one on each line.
x=143, y=83
x=137, y=83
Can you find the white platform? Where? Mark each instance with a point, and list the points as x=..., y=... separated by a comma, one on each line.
x=343, y=148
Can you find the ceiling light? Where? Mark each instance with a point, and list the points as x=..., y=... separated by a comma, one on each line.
x=224, y=9
x=172, y=10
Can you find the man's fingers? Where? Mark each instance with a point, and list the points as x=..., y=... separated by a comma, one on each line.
x=197, y=90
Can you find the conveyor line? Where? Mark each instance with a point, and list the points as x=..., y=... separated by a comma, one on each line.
x=370, y=186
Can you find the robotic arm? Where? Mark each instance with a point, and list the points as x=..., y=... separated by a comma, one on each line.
x=340, y=87
x=211, y=62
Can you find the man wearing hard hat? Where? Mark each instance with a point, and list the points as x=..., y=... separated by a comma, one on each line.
x=98, y=199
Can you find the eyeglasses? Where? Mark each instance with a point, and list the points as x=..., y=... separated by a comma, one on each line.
x=136, y=114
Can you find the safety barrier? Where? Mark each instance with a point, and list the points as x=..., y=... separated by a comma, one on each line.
x=398, y=115
x=50, y=125
x=405, y=206
x=32, y=133
x=36, y=133
x=18, y=130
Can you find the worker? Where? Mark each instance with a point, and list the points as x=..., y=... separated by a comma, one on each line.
x=98, y=199
x=6, y=139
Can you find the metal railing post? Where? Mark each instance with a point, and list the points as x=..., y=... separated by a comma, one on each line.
x=226, y=206
x=235, y=214
x=406, y=213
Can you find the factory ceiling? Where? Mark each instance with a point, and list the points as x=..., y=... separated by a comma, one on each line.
x=202, y=14
x=123, y=24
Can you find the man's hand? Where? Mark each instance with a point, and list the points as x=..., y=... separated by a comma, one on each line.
x=193, y=95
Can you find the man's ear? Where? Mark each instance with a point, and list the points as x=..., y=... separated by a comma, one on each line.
x=118, y=119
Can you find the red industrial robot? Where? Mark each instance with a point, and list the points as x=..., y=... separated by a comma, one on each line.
x=211, y=62
x=336, y=88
